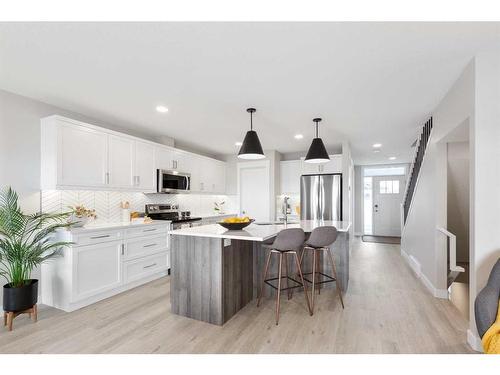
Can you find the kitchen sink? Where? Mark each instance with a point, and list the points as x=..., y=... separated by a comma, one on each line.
x=276, y=223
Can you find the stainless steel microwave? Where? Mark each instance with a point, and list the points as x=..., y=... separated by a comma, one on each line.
x=172, y=181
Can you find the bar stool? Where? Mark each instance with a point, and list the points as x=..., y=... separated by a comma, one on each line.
x=321, y=239
x=287, y=242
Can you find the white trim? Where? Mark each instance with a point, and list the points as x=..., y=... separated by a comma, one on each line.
x=417, y=269
x=474, y=341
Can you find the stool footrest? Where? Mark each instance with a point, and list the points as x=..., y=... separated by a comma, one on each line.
x=299, y=284
x=329, y=278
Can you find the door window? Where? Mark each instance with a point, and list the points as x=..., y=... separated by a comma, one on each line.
x=389, y=187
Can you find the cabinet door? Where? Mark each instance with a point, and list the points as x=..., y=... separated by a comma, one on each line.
x=82, y=156
x=96, y=269
x=310, y=168
x=121, y=161
x=220, y=178
x=290, y=172
x=145, y=172
x=163, y=158
x=333, y=166
x=207, y=175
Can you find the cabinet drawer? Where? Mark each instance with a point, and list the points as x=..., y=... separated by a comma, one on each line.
x=144, y=246
x=140, y=268
x=147, y=230
x=82, y=239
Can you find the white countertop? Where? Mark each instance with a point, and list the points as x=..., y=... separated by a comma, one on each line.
x=93, y=226
x=255, y=232
x=212, y=215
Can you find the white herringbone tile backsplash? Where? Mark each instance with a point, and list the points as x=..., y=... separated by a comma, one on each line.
x=107, y=203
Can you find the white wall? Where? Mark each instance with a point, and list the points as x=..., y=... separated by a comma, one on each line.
x=485, y=146
x=419, y=238
x=358, y=199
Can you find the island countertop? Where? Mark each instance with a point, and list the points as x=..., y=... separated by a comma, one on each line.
x=256, y=232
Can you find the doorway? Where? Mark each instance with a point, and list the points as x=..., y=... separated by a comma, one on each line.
x=254, y=190
x=383, y=191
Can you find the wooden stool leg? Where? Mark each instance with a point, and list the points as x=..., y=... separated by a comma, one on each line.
x=278, y=294
x=303, y=283
x=337, y=281
x=35, y=313
x=286, y=276
x=10, y=319
x=266, y=269
x=313, y=278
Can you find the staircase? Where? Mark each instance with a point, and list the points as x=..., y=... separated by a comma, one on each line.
x=420, y=147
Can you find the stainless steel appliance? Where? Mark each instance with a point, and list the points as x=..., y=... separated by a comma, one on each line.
x=321, y=197
x=172, y=213
x=172, y=181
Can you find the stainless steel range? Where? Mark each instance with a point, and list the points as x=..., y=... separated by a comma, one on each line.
x=171, y=212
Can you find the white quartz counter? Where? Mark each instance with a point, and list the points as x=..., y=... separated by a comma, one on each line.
x=105, y=225
x=255, y=232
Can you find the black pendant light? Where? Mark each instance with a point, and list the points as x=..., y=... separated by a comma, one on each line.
x=251, y=147
x=317, y=151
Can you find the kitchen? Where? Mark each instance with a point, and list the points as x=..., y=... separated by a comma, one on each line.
x=174, y=188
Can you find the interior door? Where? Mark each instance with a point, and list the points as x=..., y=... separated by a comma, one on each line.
x=387, y=197
x=254, y=190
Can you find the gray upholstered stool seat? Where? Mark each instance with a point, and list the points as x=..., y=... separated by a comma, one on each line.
x=287, y=243
x=320, y=240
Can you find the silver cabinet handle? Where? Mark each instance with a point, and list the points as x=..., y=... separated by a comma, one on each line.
x=151, y=265
x=138, y=180
x=123, y=249
x=149, y=230
x=151, y=244
x=97, y=237
x=107, y=178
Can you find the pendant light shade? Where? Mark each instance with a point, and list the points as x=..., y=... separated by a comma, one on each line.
x=251, y=148
x=317, y=151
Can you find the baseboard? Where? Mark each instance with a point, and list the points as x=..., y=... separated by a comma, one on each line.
x=358, y=234
x=474, y=341
x=417, y=269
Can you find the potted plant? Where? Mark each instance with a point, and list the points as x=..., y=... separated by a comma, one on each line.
x=81, y=215
x=25, y=242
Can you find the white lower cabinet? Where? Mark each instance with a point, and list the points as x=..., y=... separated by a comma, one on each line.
x=102, y=263
x=96, y=269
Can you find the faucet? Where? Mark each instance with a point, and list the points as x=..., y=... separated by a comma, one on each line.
x=285, y=208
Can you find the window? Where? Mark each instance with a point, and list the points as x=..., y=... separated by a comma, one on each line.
x=389, y=187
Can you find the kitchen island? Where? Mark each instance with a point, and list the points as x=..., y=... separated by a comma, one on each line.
x=216, y=272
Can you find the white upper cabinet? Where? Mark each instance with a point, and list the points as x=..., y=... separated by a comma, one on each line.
x=121, y=161
x=144, y=176
x=333, y=166
x=76, y=155
x=79, y=156
x=290, y=172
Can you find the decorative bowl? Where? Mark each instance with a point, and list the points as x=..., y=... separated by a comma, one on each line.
x=236, y=226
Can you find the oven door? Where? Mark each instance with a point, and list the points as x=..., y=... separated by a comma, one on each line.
x=173, y=181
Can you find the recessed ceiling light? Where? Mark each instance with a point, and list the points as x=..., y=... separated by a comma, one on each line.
x=161, y=109
x=377, y=145
x=238, y=144
x=298, y=136
x=392, y=158
x=376, y=150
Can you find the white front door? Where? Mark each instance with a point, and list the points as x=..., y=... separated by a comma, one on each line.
x=387, y=197
x=253, y=181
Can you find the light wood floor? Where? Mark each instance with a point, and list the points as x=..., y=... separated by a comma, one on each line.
x=387, y=311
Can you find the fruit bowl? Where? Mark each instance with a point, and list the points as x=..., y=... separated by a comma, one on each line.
x=236, y=226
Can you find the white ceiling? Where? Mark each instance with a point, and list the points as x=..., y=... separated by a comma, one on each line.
x=371, y=82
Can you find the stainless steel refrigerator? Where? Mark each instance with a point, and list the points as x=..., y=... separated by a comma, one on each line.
x=321, y=197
